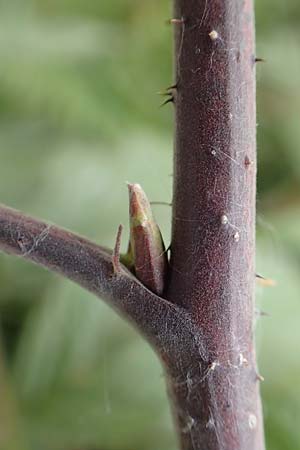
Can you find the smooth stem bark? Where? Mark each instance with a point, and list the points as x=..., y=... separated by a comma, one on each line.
x=216, y=403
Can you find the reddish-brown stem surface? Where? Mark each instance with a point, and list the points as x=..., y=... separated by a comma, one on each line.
x=213, y=244
x=93, y=267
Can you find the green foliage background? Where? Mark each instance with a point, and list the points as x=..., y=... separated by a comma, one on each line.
x=79, y=117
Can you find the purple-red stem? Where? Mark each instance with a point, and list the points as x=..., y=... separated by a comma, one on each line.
x=217, y=404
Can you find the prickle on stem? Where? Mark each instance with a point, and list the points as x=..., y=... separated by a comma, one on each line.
x=265, y=281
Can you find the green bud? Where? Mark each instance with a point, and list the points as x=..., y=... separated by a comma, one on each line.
x=146, y=253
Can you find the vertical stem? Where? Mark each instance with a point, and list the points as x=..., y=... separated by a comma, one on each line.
x=213, y=229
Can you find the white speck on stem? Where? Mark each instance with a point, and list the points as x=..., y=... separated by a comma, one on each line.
x=213, y=35
x=210, y=424
x=189, y=425
x=236, y=236
x=252, y=420
x=242, y=360
x=224, y=220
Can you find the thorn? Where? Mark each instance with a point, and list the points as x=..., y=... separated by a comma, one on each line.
x=161, y=203
x=173, y=86
x=259, y=377
x=259, y=60
x=247, y=161
x=168, y=90
x=169, y=100
x=265, y=281
x=116, y=251
x=259, y=276
x=175, y=21
x=164, y=93
x=261, y=313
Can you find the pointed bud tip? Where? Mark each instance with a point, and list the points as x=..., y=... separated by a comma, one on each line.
x=139, y=206
x=134, y=188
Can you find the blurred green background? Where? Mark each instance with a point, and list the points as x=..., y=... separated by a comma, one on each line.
x=79, y=117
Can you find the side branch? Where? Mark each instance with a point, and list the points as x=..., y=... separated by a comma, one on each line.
x=91, y=266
